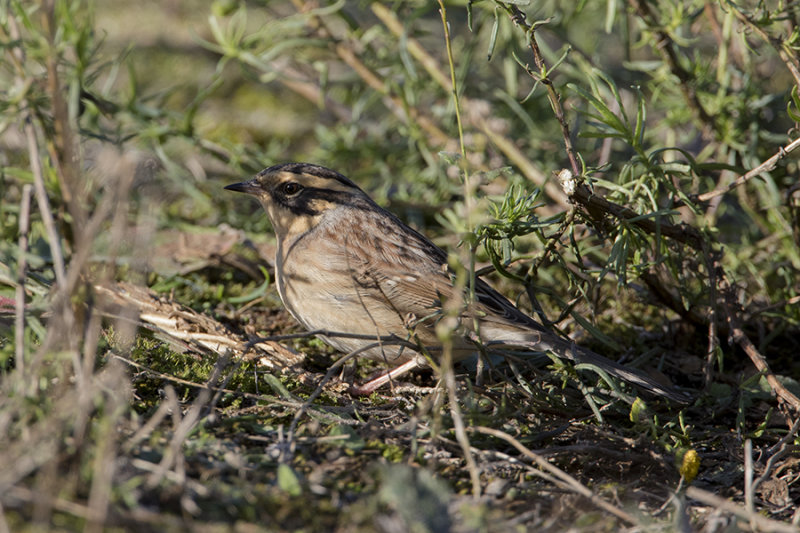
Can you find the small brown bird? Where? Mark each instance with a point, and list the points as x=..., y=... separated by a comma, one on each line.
x=346, y=265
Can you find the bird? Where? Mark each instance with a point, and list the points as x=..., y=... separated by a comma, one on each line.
x=356, y=274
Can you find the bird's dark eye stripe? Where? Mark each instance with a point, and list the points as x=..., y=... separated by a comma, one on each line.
x=314, y=200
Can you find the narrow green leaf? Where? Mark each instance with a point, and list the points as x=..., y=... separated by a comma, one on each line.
x=276, y=385
x=794, y=112
x=641, y=118
x=611, y=12
x=493, y=38
x=606, y=115
x=258, y=292
x=288, y=481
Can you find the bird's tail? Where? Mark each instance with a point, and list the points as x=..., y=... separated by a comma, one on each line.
x=544, y=341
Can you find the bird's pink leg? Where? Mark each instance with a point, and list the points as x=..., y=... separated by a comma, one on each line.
x=372, y=385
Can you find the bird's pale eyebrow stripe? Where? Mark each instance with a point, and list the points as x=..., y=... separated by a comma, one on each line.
x=311, y=170
x=319, y=183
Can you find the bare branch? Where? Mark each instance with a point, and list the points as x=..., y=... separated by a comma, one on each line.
x=665, y=47
x=766, y=166
x=598, y=208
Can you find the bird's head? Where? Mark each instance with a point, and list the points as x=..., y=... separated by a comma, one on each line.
x=297, y=195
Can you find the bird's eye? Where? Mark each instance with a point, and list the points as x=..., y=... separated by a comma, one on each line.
x=291, y=188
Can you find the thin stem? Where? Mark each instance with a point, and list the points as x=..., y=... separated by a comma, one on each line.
x=454, y=86
x=22, y=265
x=458, y=420
x=468, y=193
x=504, y=144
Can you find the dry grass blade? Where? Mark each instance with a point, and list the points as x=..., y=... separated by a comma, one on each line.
x=105, y=463
x=19, y=319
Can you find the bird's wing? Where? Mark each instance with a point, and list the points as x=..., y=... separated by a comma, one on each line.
x=412, y=274
x=418, y=291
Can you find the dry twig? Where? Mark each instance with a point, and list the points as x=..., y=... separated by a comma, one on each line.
x=184, y=325
x=730, y=308
x=766, y=166
x=762, y=522
x=571, y=482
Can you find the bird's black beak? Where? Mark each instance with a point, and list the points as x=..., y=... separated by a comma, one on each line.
x=249, y=187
